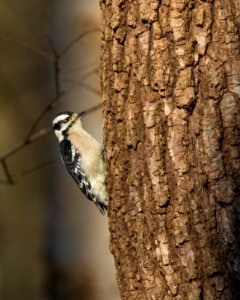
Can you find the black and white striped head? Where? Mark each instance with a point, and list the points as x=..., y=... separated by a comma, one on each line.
x=64, y=121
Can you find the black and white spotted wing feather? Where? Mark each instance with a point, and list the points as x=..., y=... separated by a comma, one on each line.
x=72, y=160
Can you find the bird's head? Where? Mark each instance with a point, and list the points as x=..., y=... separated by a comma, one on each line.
x=64, y=121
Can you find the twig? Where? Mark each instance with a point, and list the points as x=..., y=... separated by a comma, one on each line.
x=52, y=104
x=85, y=85
x=37, y=136
x=58, y=93
x=79, y=81
x=55, y=65
x=90, y=88
x=7, y=172
x=92, y=109
x=80, y=68
x=41, y=115
x=29, y=140
x=42, y=133
x=28, y=46
x=37, y=167
x=31, y=136
x=78, y=38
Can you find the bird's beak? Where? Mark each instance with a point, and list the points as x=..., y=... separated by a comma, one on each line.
x=81, y=114
x=76, y=116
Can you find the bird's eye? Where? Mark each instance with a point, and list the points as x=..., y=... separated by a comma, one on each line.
x=57, y=126
x=66, y=120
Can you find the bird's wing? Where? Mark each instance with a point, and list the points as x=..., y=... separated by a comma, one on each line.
x=72, y=159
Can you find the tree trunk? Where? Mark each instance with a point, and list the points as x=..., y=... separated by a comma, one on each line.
x=171, y=88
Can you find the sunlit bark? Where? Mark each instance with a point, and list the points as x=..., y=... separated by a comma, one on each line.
x=171, y=86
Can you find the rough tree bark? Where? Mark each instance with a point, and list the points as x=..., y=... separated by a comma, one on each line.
x=171, y=86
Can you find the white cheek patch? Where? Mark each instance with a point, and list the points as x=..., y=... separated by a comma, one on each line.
x=59, y=135
x=60, y=126
x=60, y=118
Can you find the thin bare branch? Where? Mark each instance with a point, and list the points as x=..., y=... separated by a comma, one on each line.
x=41, y=115
x=27, y=172
x=33, y=48
x=31, y=136
x=37, y=167
x=90, y=88
x=2, y=181
x=9, y=178
x=40, y=134
x=83, y=84
x=76, y=83
x=80, y=68
x=80, y=80
x=53, y=103
x=29, y=140
x=55, y=65
x=92, y=109
x=37, y=136
x=76, y=39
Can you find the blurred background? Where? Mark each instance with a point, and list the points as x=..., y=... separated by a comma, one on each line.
x=53, y=242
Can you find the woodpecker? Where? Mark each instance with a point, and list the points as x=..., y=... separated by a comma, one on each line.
x=82, y=156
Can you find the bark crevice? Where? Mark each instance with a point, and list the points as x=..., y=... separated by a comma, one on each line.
x=171, y=89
